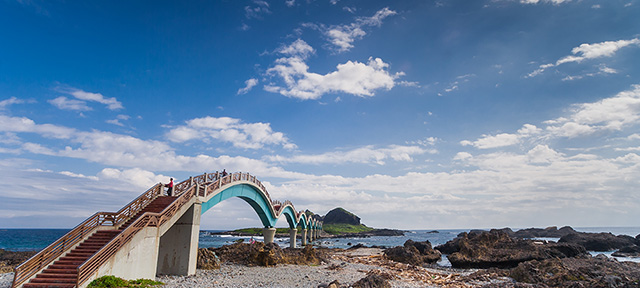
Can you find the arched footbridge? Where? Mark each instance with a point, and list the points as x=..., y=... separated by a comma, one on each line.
x=155, y=234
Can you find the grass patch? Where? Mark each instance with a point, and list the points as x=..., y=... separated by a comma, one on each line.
x=337, y=229
x=258, y=231
x=111, y=281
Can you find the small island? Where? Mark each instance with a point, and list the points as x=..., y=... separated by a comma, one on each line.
x=337, y=223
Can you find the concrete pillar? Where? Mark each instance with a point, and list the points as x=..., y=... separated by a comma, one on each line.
x=310, y=235
x=292, y=237
x=269, y=233
x=303, y=238
x=178, y=249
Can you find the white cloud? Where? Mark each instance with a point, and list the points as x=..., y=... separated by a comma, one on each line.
x=584, y=119
x=249, y=84
x=343, y=36
x=352, y=77
x=112, y=103
x=13, y=100
x=241, y=135
x=503, y=139
x=555, y=2
x=298, y=48
x=260, y=8
x=23, y=124
x=364, y=155
x=589, y=51
x=607, y=114
x=65, y=103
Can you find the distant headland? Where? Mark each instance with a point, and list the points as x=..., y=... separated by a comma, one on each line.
x=337, y=223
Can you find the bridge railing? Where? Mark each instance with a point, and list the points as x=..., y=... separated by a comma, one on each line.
x=52, y=252
x=186, y=190
x=91, y=265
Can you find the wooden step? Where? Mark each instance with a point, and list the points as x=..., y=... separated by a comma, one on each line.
x=48, y=285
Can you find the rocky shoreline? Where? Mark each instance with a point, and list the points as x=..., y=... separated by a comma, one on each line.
x=495, y=258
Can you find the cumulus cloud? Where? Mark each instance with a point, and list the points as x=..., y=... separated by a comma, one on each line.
x=249, y=84
x=363, y=155
x=588, y=51
x=352, y=77
x=608, y=114
x=241, y=135
x=584, y=119
x=23, y=124
x=503, y=139
x=343, y=36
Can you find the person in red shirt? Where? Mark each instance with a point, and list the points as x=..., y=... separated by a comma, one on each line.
x=169, y=187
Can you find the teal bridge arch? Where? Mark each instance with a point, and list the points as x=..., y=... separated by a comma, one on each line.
x=214, y=188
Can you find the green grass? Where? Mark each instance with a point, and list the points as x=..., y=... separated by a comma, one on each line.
x=258, y=231
x=337, y=229
x=117, y=282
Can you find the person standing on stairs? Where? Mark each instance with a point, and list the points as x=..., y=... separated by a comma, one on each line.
x=169, y=188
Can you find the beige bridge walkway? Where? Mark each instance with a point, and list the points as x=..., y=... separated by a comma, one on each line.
x=154, y=234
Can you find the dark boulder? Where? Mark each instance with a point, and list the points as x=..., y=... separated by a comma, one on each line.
x=598, y=241
x=414, y=253
x=341, y=216
x=373, y=280
x=578, y=272
x=497, y=249
x=207, y=259
x=549, y=232
x=629, y=251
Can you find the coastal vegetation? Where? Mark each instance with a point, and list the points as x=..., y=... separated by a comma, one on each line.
x=344, y=228
x=258, y=231
x=111, y=281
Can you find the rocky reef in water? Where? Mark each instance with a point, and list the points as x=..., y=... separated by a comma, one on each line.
x=547, y=264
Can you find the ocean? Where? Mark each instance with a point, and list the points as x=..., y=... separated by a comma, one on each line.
x=37, y=239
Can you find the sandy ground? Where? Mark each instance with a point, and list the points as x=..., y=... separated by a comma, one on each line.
x=346, y=267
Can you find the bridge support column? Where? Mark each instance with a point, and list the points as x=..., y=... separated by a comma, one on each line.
x=178, y=249
x=310, y=235
x=303, y=238
x=269, y=233
x=292, y=237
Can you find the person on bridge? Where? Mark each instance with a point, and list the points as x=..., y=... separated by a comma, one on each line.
x=224, y=172
x=170, y=188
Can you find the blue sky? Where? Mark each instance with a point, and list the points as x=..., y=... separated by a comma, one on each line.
x=411, y=114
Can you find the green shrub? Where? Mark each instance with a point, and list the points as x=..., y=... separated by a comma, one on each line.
x=108, y=282
x=117, y=282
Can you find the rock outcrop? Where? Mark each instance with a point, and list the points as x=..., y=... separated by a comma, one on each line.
x=629, y=251
x=549, y=232
x=207, y=260
x=259, y=254
x=11, y=259
x=373, y=280
x=599, y=241
x=414, y=253
x=341, y=216
x=497, y=249
x=583, y=271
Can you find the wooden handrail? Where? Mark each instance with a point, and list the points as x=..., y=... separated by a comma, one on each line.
x=46, y=256
x=187, y=189
x=152, y=219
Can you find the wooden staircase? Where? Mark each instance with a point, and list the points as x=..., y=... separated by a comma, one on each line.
x=63, y=273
